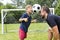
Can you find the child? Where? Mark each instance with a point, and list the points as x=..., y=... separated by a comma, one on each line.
x=25, y=22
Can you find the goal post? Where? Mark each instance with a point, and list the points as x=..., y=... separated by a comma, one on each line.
x=52, y=11
x=3, y=16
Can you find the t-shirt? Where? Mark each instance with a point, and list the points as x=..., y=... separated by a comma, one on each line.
x=53, y=20
x=25, y=25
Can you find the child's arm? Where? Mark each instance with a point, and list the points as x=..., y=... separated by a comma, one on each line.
x=23, y=19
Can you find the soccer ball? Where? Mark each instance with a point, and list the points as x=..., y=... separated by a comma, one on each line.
x=36, y=8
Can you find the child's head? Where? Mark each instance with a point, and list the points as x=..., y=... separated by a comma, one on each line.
x=29, y=8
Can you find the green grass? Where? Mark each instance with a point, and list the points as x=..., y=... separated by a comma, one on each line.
x=37, y=31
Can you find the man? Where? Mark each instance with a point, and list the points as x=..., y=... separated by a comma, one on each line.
x=25, y=22
x=53, y=21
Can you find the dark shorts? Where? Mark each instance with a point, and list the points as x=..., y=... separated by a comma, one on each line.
x=22, y=34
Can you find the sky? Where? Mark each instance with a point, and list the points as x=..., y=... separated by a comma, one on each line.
x=5, y=1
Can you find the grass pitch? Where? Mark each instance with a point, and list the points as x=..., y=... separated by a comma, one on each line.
x=37, y=31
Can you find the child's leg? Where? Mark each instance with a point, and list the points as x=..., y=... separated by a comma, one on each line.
x=21, y=39
x=25, y=35
x=22, y=34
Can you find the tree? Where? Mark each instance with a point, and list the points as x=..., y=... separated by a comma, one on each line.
x=19, y=3
x=9, y=6
x=57, y=8
x=1, y=4
x=41, y=2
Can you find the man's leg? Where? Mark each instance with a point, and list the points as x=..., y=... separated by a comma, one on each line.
x=50, y=34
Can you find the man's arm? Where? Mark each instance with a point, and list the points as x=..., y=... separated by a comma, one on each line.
x=23, y=19
x=55, y=32
x=50, y=33
x=53, y=25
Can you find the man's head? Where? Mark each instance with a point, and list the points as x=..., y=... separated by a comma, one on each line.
x=29, y=8
x=44, y=10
